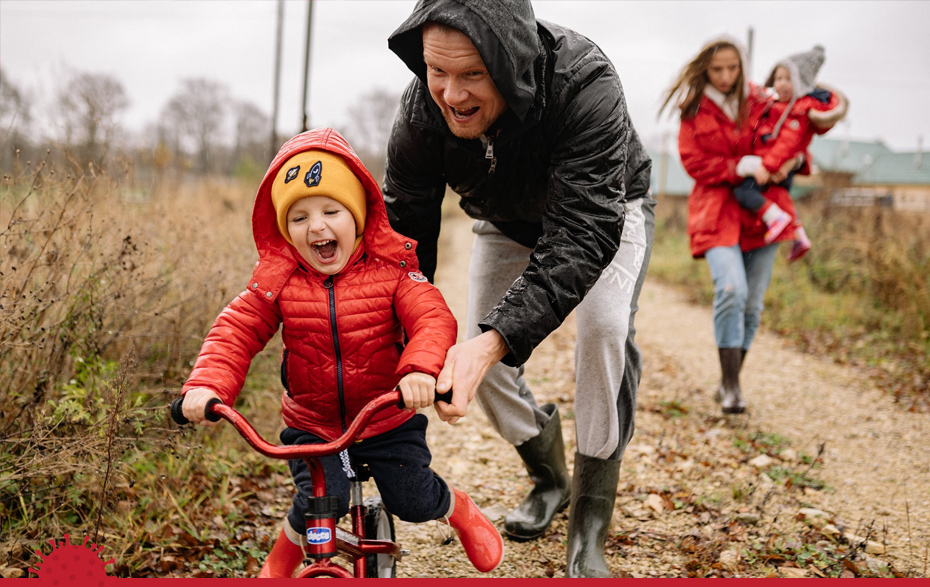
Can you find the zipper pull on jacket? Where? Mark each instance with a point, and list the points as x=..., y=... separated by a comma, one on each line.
x=489, y=151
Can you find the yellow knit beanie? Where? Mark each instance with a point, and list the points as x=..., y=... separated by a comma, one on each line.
x=317, y=173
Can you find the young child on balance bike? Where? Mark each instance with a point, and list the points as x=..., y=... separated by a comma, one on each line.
x=347, y=290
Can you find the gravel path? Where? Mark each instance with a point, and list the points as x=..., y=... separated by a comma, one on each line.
x=694, y=496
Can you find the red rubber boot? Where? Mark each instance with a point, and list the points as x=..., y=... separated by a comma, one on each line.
x=283, y=560
x=480, y=539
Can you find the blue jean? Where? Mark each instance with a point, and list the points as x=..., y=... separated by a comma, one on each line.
x=740, y=280
x=750, y=196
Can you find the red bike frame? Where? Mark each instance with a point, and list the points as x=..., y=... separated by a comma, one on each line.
x=353, y=544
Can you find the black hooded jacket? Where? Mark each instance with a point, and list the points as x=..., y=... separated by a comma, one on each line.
x=563, y=158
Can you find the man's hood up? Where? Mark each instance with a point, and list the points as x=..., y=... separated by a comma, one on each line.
x=503, y=31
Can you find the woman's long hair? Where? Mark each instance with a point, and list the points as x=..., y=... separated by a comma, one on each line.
x=689, y=87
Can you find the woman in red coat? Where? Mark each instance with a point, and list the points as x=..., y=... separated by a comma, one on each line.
x=347, y=291
x=719, y=114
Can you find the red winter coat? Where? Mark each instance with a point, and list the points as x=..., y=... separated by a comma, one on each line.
x=710, y=146
x=343, y=334
x=796, y=132
x=793, y=138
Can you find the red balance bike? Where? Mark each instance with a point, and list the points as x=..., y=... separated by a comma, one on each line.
x=370, y=546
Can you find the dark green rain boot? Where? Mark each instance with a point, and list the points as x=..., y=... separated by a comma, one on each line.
x=544, y=458
x=594, y=490
x=731, y=400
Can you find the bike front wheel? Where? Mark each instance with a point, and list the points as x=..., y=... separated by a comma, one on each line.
x=379, y=525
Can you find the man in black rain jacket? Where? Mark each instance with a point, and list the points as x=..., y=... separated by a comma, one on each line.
x=527, y=122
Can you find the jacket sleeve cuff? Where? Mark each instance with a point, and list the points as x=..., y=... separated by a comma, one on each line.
x=512, y=358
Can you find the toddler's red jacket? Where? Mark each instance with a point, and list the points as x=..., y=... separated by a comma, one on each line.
x=343, y=334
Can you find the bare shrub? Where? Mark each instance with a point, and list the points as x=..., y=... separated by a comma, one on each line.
x=105, y=296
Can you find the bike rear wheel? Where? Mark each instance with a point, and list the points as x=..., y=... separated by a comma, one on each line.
x=379, y=525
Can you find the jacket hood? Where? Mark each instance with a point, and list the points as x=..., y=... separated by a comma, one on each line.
x=803, y=68
x=741, y=50
x=503, y=31
x=278, y=258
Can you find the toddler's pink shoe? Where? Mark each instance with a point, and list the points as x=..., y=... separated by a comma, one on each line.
x=802, y=244
x=776, y=226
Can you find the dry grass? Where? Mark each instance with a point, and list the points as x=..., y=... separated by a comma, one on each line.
x=860, y=296
x=106, y=292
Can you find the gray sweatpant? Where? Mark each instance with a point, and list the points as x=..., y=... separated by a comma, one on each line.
x=608, y=363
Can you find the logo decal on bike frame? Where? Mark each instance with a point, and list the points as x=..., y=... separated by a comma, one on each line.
x=319, y=535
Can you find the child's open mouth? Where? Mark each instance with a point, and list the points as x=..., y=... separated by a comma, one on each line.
x=326, y=250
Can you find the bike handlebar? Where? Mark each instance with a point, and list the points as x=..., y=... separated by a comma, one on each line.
x=216, y=410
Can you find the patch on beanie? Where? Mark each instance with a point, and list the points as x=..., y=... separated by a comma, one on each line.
x=315, y=174
x=291, y=173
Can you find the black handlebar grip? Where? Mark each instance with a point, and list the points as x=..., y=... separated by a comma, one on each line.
x=208, y=412
x=440, y=397
x=177, y=414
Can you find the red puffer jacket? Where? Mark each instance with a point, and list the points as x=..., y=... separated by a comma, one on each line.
x=343, y=334
x=793, y=138
x=796, y=132
x=710, y=146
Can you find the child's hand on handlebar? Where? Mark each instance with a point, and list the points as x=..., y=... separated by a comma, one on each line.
x=195, y=403
x=418, y=390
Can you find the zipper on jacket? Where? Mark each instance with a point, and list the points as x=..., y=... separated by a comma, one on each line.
x=489, y=152
x=287, y=387
x=328, y=284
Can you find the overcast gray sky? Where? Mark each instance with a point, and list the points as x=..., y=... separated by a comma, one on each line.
x=878, y=53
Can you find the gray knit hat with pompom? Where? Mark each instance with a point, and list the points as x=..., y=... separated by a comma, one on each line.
x=803, y=68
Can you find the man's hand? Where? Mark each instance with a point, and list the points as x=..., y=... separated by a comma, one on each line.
x=418, y=390
x=466, y=365
x=195, y=402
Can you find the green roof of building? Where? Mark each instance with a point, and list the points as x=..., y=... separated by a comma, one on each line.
x=846, y=156
x=897, y=169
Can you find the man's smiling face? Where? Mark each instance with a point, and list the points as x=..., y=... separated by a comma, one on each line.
x=459, y=82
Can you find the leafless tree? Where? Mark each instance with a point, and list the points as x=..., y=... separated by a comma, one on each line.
x=251, y=134
x=15, y=117
x=15, y=113
x=369, y=127
x=89, y=105
x=197, y=113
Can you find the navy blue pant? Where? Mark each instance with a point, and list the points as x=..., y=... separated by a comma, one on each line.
x=749, y=193
x=399, y=462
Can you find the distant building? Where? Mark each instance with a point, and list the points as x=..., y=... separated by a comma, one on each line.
x=848, y=157
x=857, y=173
x=849, y=173
x=669, y=176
